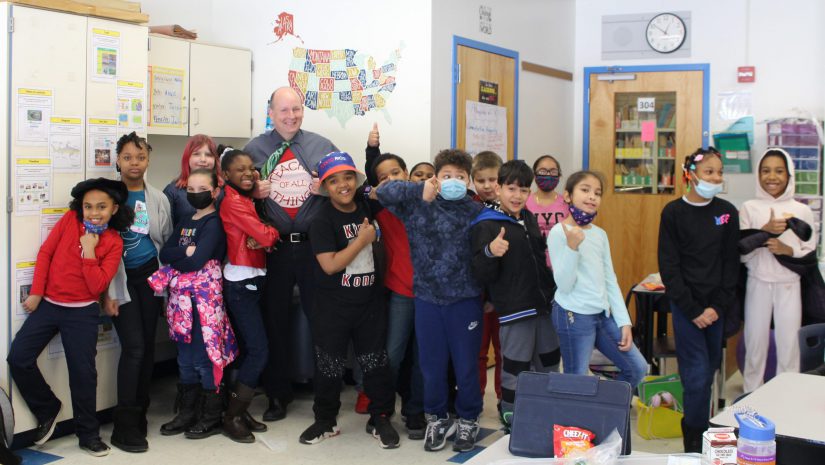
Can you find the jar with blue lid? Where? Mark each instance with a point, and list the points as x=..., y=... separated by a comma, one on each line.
x=757, y=440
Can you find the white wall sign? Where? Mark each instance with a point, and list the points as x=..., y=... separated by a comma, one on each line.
x=486, y=128
x=646, y=104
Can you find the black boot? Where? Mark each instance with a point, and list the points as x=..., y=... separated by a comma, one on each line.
x=185, y=403
x=234, y=425
x=126, y=433
x=692, y=438
x=253, y=425
x=208, y=421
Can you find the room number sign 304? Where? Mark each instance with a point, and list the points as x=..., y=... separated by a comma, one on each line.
x=646, y=104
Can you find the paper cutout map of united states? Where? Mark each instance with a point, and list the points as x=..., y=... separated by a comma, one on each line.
x=344, y=83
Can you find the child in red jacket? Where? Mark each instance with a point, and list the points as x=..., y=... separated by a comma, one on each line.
x=74, y=267
x=244, y=276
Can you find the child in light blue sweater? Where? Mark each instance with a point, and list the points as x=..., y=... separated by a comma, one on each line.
x=588, y=310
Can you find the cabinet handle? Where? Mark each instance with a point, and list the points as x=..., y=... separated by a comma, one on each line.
x=197, y=116
x=185, y=113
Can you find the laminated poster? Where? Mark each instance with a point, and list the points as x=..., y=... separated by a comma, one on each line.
x=105, y=55
x=131, y=107
x=34, y=108
x=486, y=128
x=166, y=94
x=101, y=140
x=48, y=219
x=33, y=189
x=23, y=276
x=66, y=144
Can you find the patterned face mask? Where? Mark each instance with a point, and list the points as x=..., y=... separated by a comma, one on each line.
x=92, y=228
x=581, y=217
x=546, y=182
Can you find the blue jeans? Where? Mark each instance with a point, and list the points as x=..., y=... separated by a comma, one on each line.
x=699, y=353
x=580, y=333
x=243, y=300
x=444, y=333
x=194, y=365
x=400, y=329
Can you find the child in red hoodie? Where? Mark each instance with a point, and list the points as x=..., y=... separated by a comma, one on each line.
x=244, y=276
x=74, y=267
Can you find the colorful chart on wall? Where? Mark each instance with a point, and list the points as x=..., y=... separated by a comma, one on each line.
x=344, y=82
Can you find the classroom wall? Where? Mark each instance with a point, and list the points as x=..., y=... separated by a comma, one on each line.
x=359, y=24
x=782, y=39
x=543, y=33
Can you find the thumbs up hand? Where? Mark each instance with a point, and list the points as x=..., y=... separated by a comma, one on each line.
x=574, y=234
x=262, y=188
x=498, y=247
x=430, y=189
x=775, y=225
x=374, y=138
x=366, y=232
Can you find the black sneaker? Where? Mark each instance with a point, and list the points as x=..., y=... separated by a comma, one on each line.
x=416, y=424
x=45, y=430
x=465, y=436
x=319, y=431
x=276, y=410
x=438, y=429
x=95, y=447
x=381, y=429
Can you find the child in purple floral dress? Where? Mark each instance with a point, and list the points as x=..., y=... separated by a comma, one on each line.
x=195, y=312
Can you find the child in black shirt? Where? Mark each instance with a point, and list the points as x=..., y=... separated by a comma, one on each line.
x=699, y=263
x=349, y=306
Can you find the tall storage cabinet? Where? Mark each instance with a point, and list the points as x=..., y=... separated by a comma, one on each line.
x=51, y=56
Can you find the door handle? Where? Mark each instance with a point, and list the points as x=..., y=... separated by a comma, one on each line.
x=197, y=116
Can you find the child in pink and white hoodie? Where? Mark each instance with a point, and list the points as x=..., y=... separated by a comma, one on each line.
x=773, y=289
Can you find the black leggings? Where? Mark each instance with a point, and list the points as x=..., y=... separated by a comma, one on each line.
x=136, y=325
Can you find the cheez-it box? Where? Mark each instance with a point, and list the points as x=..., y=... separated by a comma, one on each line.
x=719, y=446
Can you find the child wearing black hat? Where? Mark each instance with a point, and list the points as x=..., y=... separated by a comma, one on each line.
x=74, y=267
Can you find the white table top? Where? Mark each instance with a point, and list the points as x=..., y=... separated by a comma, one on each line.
x=795, y=402
x=500, y=450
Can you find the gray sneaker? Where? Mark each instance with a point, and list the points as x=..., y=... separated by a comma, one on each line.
x=438, y=430
x=465, y=437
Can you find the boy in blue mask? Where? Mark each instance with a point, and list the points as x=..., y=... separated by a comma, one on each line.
x=438, y=214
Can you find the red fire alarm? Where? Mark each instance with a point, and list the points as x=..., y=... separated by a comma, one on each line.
x=746, y=74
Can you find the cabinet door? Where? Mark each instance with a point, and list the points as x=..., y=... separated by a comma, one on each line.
x=172, y=54
x=221, y=91
x=116, y=86
x=48, y=51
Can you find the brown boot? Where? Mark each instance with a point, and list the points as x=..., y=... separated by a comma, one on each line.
x=234, y=426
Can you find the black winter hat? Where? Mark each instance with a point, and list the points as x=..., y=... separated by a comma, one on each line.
x=116, y=189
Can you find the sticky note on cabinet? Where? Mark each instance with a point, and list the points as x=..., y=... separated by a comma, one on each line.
x=648, y=130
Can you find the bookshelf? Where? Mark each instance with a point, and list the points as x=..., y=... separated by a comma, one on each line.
x=645, y=143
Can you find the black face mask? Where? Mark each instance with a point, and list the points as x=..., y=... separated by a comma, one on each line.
x=199, y=200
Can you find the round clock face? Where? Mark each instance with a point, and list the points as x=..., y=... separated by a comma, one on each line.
x=666, y=33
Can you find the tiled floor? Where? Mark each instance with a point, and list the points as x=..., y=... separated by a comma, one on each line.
x=280, y=444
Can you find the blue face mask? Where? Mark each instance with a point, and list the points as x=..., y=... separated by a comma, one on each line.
x=581, y=217
x=453, y=189
x=707, y=190
x=92, y=228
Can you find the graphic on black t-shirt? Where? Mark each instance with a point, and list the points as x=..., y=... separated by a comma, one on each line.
x=361, y=270
x=332, y=231
x=186, y=236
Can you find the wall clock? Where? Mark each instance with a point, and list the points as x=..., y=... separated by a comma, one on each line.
x=666, y=32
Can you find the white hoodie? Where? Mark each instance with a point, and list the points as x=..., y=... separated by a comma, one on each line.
x=755, y=213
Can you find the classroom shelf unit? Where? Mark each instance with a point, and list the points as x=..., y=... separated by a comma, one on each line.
x=800, y=138
x=645, y=143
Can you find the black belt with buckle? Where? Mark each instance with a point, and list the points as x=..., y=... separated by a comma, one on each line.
x=296, y=237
